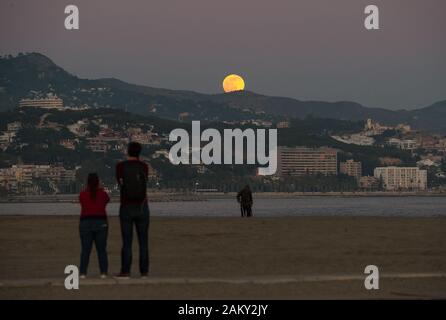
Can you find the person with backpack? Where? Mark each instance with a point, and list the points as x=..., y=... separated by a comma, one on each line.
x=93, y=226
x=134, y=210
x=244, y=197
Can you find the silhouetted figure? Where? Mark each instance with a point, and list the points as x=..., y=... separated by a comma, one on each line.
x=244, y=197
x=134, y=210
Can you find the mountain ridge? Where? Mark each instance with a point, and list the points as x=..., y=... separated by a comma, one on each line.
x=34, y=73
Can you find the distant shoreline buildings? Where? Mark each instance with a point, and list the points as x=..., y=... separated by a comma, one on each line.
x=402, y=178
x=300, y=161
x=29, y=178
x=105, y=138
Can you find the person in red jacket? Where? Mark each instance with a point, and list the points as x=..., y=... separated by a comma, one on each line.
x=93, y=226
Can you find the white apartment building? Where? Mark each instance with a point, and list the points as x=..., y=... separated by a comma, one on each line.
x=406, y=144
x=402, y=178
x=52, y=102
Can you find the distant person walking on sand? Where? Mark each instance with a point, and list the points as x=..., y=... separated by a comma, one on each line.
x=244, y=197
x=134, y=210
x=93, y=226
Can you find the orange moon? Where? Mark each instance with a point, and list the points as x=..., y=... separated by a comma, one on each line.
x=233, y=82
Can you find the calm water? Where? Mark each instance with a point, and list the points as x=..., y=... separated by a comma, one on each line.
x=303, y=206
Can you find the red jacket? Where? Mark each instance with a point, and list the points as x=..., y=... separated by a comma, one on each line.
x=93, y=208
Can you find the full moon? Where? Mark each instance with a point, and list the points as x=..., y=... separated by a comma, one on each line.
x=233, y=82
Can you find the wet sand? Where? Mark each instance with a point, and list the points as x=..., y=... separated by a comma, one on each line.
x=234, y=248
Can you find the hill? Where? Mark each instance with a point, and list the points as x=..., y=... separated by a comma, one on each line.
x=33, y=74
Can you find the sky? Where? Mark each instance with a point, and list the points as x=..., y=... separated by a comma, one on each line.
x=305, y=49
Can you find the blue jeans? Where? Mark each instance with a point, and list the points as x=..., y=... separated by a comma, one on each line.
x=93, y=231
x=138, y=215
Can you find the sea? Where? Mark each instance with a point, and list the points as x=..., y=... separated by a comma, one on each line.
x=398, y=206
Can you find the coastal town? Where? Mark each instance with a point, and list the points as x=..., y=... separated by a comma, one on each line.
x=100, y=137
x=222, y=158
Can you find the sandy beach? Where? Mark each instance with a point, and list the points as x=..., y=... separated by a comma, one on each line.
x=233, y=258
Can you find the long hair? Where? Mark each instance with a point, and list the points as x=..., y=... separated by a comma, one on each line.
x=93, y=184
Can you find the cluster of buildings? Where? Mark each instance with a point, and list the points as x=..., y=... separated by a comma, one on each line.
x=112, y=140
x=406, y=139
x=417, y=140
x=32, y=179
x=292, y=161
x=371, y=129
x=29, y=178
x=251, y=122
x=39, y=179
x=8, y=136
x=300, y=161
x=109, y=138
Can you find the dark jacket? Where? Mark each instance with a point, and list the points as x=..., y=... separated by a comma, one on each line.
x=245, y=197
x=120, y=178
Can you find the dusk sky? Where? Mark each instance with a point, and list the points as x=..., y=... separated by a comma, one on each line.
x=305, y=49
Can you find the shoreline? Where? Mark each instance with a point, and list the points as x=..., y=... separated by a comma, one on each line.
x=204, y=196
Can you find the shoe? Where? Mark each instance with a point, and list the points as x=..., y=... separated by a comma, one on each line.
x=103, y=276
x=123, y=276
x=144, y=275
x=83, y=276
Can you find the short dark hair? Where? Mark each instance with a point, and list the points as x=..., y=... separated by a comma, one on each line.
x=134, y=149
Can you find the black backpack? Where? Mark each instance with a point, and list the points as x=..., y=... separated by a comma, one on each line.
x=134, y=184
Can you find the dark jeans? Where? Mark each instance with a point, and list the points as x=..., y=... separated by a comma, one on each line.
x=138, y=215
x=93, y=231
x=246, y=210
